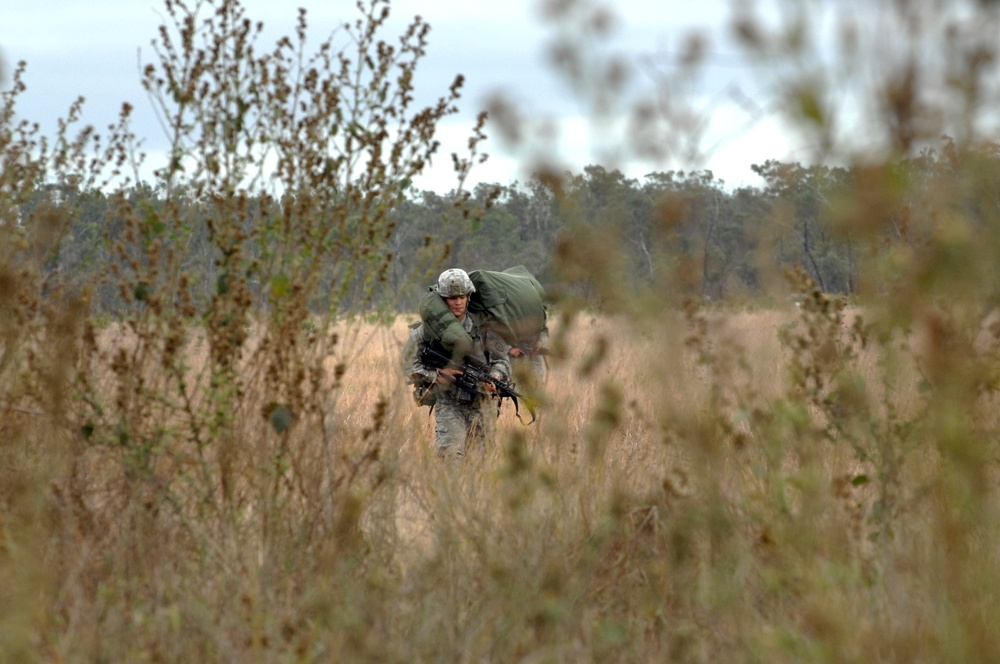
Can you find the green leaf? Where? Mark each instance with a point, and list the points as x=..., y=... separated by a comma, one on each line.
x=154, y=223
x=859, y=480
x=281, y=418
x=810, y=106
x=280, y=285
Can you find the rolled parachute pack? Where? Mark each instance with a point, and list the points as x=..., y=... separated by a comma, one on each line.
x=512, y=301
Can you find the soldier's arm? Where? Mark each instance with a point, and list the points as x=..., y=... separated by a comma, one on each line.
x=496, y=356
x=415, y=370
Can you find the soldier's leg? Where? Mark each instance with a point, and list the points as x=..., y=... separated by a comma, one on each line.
x=450, y=430
x=482, y=420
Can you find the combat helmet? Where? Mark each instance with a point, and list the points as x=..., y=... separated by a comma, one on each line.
x=454, y=282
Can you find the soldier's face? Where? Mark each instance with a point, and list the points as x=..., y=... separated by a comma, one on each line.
x=458, y=304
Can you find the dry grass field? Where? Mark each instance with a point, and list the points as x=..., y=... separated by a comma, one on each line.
x=698, y=487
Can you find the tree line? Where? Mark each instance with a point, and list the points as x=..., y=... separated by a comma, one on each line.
x=685, y=231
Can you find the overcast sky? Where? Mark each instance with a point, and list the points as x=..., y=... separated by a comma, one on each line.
x=93, y=49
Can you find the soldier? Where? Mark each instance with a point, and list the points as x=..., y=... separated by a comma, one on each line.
x=462, y=417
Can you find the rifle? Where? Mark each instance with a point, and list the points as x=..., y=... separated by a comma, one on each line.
x=474, y=373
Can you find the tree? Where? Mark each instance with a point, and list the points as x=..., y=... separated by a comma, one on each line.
x=801, y=198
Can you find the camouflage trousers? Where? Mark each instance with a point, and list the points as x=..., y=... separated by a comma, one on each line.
x=463, y=427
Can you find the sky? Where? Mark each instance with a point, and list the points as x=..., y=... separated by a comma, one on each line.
x=94, y=49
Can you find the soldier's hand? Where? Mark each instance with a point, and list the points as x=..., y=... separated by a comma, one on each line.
x=516, y=352
x=448, y=376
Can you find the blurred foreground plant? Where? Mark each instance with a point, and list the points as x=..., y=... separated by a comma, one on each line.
x=184, y=401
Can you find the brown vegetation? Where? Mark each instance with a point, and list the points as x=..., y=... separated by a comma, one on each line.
x=679, y=499
x=211, y=456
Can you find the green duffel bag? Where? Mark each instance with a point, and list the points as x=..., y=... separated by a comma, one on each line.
x=512, y=301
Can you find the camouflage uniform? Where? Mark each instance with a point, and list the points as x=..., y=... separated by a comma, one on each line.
x=462, y=420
